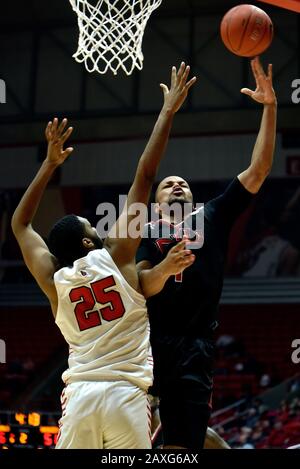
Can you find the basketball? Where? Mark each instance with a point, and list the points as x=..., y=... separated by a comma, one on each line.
x=246, y=30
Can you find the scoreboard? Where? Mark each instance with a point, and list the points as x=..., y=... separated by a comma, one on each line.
x=28, y=430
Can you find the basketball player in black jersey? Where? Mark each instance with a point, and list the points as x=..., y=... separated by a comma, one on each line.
x=184, y=309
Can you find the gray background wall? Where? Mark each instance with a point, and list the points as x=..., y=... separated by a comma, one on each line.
x=194, y=158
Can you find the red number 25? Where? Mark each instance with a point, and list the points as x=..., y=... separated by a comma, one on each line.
x=86, y=317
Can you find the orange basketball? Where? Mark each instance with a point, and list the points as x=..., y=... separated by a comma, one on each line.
x=246, y=30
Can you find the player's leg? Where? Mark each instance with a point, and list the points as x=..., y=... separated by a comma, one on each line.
x=80, y=425
x=214, y=441
x=184, y=413
x=127, y=417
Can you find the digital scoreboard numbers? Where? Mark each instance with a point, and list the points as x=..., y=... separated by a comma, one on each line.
x=28, y=430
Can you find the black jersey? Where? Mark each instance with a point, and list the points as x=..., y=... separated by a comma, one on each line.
x=186, y=310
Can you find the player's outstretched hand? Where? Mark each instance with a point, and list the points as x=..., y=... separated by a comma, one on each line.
x=264, y=92
x=56, y=137
x=176, y=95
x=178, y=259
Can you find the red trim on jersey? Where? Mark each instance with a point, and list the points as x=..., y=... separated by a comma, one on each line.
x=210, y=403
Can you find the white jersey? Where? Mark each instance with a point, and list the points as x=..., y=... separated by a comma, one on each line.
x=104, y=321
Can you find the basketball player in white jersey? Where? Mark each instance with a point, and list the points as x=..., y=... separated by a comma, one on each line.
x=95, y=296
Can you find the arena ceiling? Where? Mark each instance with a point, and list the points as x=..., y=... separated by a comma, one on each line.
x=20, y=12
x=35, y=34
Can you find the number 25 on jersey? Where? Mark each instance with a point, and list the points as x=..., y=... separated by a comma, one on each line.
x=86, y=298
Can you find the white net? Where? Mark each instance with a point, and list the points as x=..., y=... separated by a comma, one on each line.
x=111, y=33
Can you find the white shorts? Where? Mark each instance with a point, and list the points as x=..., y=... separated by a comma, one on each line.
x=104, y=415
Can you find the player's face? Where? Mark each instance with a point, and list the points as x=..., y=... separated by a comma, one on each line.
x=91, y=233
x=173, y=189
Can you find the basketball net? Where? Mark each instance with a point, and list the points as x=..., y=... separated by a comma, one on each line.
x=111, y=33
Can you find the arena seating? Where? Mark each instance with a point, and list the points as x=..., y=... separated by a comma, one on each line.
x=31, y=338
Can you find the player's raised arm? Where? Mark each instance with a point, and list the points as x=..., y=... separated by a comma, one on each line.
x=262, y=156
x=37, y=256
x=125, y=249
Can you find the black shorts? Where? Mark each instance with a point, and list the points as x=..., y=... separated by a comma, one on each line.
x=183, y=375
x=185, y=409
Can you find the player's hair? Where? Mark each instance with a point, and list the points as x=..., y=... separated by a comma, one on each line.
x=65, y=240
